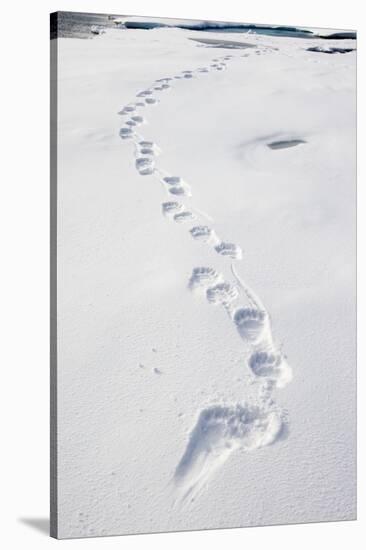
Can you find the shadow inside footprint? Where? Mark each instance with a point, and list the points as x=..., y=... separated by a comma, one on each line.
x=151, y=101
x=178, y=190
x=203, y=233
x=173, y=180
x=127, y=110
x=145, y=166
x=172, y=208
x=250, y=323
x=229, y=249
x=272, y=365
x=204, y=277
x=138, y=119
x=184, y=216
x=218, y=432
x=222, y=293
x=125, y=133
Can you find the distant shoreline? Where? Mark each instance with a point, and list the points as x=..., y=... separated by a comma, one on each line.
x=80, y=25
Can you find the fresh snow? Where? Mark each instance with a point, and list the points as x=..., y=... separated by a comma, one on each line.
x=206, y=282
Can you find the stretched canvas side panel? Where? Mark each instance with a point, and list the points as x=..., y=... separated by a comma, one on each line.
x=53, y=278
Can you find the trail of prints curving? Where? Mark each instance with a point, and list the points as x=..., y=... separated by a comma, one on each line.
x=219, y=429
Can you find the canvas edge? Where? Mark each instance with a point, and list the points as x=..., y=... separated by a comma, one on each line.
x=53, y=279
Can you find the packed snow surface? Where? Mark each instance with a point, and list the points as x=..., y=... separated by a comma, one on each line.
x=206, y=281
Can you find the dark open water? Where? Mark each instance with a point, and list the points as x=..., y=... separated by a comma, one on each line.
x=87, y=25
